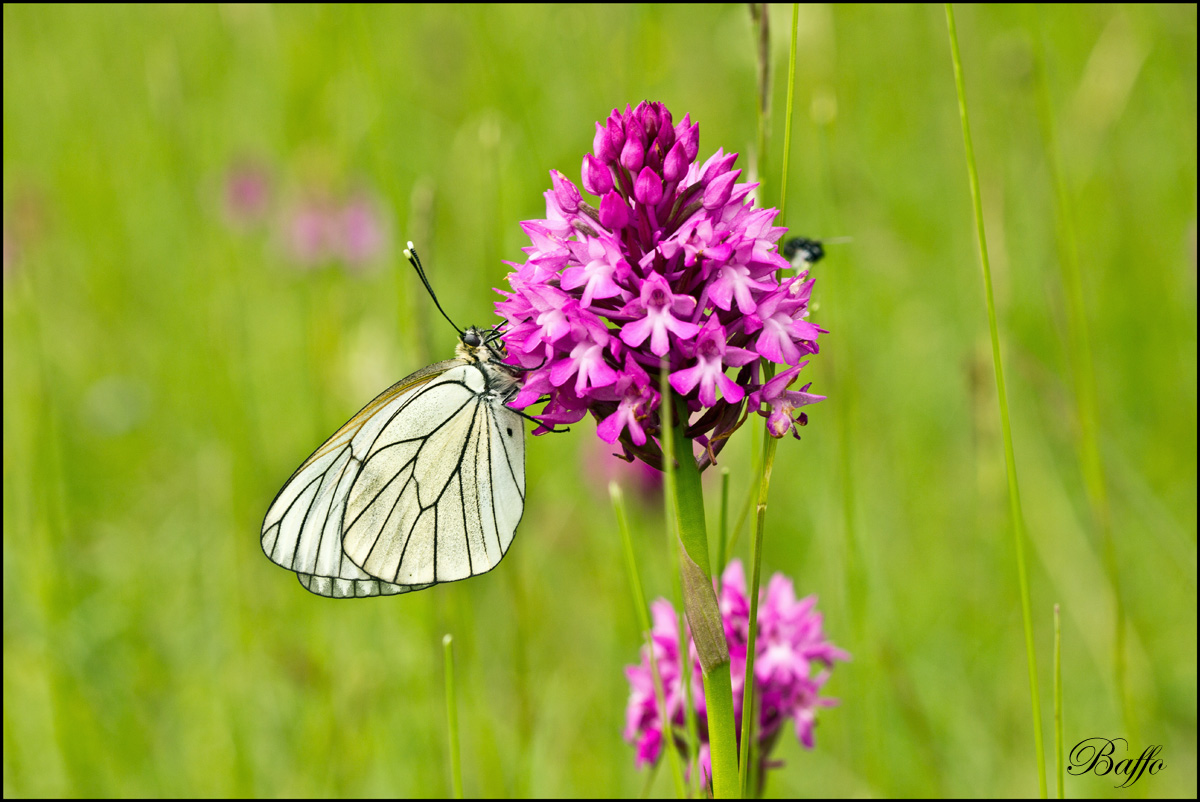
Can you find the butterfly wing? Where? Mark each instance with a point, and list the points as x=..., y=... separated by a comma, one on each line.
x=506, y=465
x=302, y=530
x=441, y=488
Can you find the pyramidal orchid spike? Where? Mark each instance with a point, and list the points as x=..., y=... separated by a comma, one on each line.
x=672, y=262
x=793, y=662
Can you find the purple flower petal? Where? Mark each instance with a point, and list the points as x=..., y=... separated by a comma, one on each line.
x=648, y=189
x=632, y=154
x=717, y=193
x=689, y=135
x=567, y=193
x=596, y=176
x=614, y=214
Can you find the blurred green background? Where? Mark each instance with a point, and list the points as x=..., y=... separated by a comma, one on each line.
x=168, y=363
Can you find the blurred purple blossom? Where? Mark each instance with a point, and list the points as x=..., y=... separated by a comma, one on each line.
x=793, y=659
x=310, y=232
x=247, y=195
x=9, y=253
x=318, y=229
x=28, y=222
x=636, y=478
x=361, y=230
x=673, y=261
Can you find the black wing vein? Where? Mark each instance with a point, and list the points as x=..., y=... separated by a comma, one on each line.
x=507, y=457
x=492, y=492
x=422, y=509
x=416, y=395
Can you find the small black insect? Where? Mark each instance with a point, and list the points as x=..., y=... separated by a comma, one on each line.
x=802, y=251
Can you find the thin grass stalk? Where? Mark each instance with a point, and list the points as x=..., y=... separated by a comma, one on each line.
x=854, y=569
x=760, y=23
x=1014, y=493
x=864, y=748
x=47, y=464
x=639, y=603
x=674, y=548
x=452, y=717
x=723, y=523
x=787, y=120
x=522, y=690
x=768, y=462
x=756, y=424
x=764, y=484
x=1082, y=364
x=649, y=782
x=761, y=18
x=1059, y=762
x=691, y=722
x=759, y=169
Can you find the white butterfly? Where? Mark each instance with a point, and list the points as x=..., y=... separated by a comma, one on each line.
x=425, y=484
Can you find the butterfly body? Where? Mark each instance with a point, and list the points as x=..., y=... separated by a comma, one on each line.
x=426, y=484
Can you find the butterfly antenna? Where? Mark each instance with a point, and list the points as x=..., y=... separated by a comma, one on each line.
x=410, y=253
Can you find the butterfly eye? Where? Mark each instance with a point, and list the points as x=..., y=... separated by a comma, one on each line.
x=471, y=338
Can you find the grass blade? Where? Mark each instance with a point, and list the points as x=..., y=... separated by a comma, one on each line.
x=1082, y=367
x=452, y=717
x=674, y=548
x=1014, y=493
x=723, y=523
x=639, y=603
x=768, y=463
x=1058, y=703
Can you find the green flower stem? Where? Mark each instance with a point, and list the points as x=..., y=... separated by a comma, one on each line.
x=700, y=607
x=718, y=694
x=639, y=602
x=1010, y=463
x=452, y=718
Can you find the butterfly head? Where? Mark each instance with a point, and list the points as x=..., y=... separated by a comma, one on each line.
x=480, y=345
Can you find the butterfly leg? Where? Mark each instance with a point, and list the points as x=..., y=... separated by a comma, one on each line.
x=540, y=423
x=518, y=369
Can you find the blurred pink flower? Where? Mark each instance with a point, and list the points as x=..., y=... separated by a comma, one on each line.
x=311, y=232
x=362, y=234
x=28, y=222
x=247, y=195
x=793, y=659
x=9, y=253
x=636, y=478
x=318, y=230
